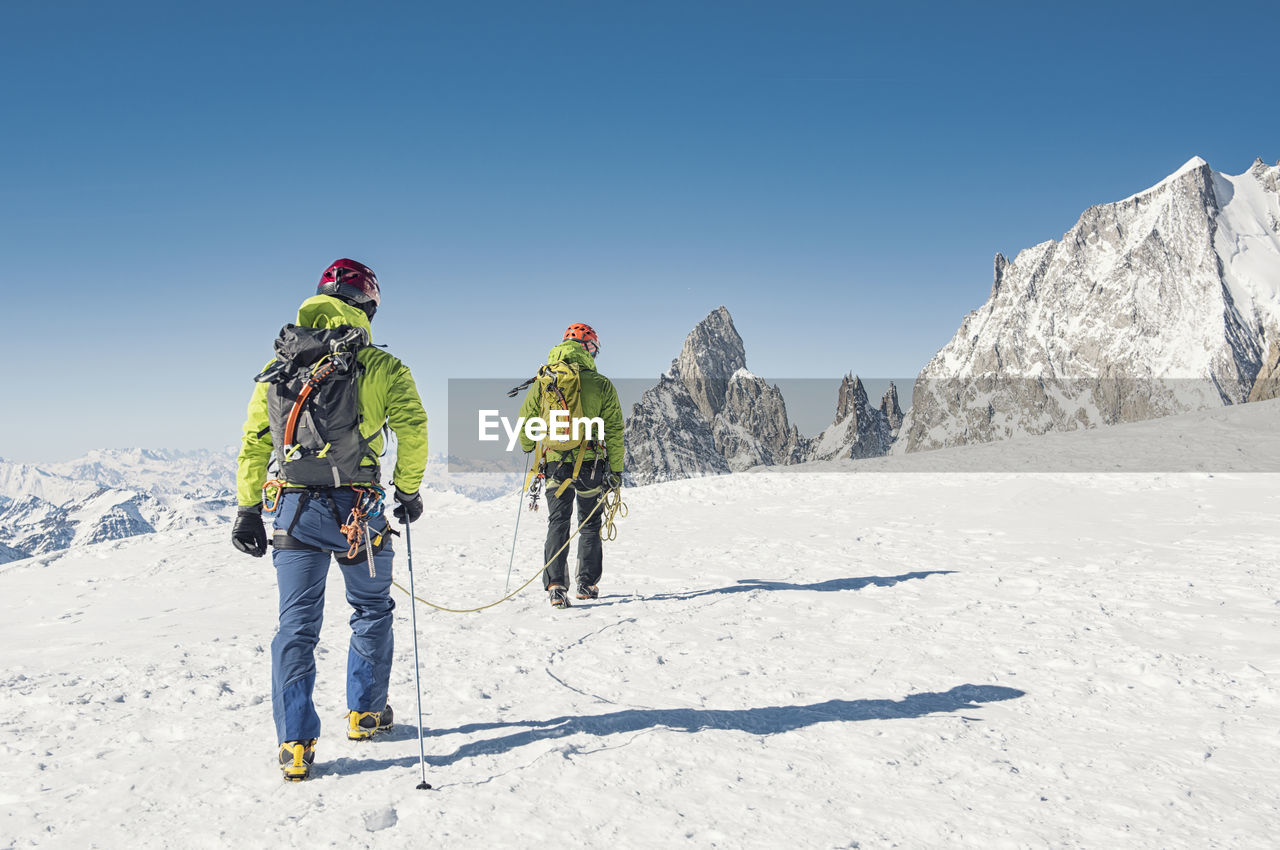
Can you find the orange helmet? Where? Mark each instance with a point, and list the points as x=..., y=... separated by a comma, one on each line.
x=585, y=335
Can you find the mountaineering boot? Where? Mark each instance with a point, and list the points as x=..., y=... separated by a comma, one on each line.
x=296, y=758
x=559, y=596
x=588, y=591
x=363, y=725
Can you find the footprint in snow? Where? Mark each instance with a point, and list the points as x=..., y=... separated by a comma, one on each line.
x=378, y=819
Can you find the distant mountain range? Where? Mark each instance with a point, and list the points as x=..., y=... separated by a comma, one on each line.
x=1166, y=301
x=110, y=495
x=117, y=493
x=709, y=415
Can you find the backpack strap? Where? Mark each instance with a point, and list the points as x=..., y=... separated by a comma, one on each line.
x=577, y=468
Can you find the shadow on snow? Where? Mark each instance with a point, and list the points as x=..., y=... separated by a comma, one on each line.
x=769, y=720
x=747, y=585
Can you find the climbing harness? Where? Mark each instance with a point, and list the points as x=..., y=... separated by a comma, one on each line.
x=368, y=506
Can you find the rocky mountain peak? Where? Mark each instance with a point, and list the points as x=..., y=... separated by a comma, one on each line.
x=889, y=407
x=859, y=430
x=712, y=352
x=1151, y=305
x=709, y=415
x=752, y=428
x=1268, y=176
x=851, y=398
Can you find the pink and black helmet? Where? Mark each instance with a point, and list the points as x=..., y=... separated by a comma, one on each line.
x=353, y=282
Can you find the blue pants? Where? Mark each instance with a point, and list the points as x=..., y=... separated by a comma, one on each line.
x=314, y=518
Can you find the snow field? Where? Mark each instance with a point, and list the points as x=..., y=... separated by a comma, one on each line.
x=815, y=660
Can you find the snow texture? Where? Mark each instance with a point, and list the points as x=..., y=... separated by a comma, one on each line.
x=918, y=660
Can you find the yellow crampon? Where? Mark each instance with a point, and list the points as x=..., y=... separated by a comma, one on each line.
x=363, y=725
x=296, y=758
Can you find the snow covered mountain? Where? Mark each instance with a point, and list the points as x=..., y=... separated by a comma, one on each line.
x=113, y=494
x=110, y=495
x=1159, y=303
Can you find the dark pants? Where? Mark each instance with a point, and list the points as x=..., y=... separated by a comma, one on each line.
x=300, y=573
x=560, y=525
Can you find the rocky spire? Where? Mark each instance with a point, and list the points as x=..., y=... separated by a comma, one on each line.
x=851, y=398
x=859, y=430
x=708, y=414
x=889, y=407
x=712, y=352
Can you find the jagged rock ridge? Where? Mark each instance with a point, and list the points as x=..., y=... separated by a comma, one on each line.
x=860, y=430
x=1153, y=305
x=709, y=415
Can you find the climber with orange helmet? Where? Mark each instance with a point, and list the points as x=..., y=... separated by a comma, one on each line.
x=598, y=469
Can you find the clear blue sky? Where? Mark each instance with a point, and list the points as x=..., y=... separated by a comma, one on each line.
x=175, y=176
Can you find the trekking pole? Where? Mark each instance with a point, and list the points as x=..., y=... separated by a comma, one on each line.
x=519, y=503
x=417, y=680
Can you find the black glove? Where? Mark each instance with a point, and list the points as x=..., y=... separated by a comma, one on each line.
x=249, y=534
x=614, y=481
x=410, y=507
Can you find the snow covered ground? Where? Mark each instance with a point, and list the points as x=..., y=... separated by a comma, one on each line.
x=925, y=659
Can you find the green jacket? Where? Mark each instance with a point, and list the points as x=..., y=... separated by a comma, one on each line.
x=599, y=398
x=388, y=396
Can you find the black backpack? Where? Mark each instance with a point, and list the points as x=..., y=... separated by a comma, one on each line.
x=313, y=407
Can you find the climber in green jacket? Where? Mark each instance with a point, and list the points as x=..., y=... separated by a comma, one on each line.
x=320, y=407
x=600, y=470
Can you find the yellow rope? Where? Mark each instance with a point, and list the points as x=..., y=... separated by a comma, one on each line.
x=614, y=507
x=611, y=501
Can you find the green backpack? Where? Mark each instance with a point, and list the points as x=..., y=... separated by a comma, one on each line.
x=560, y=385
